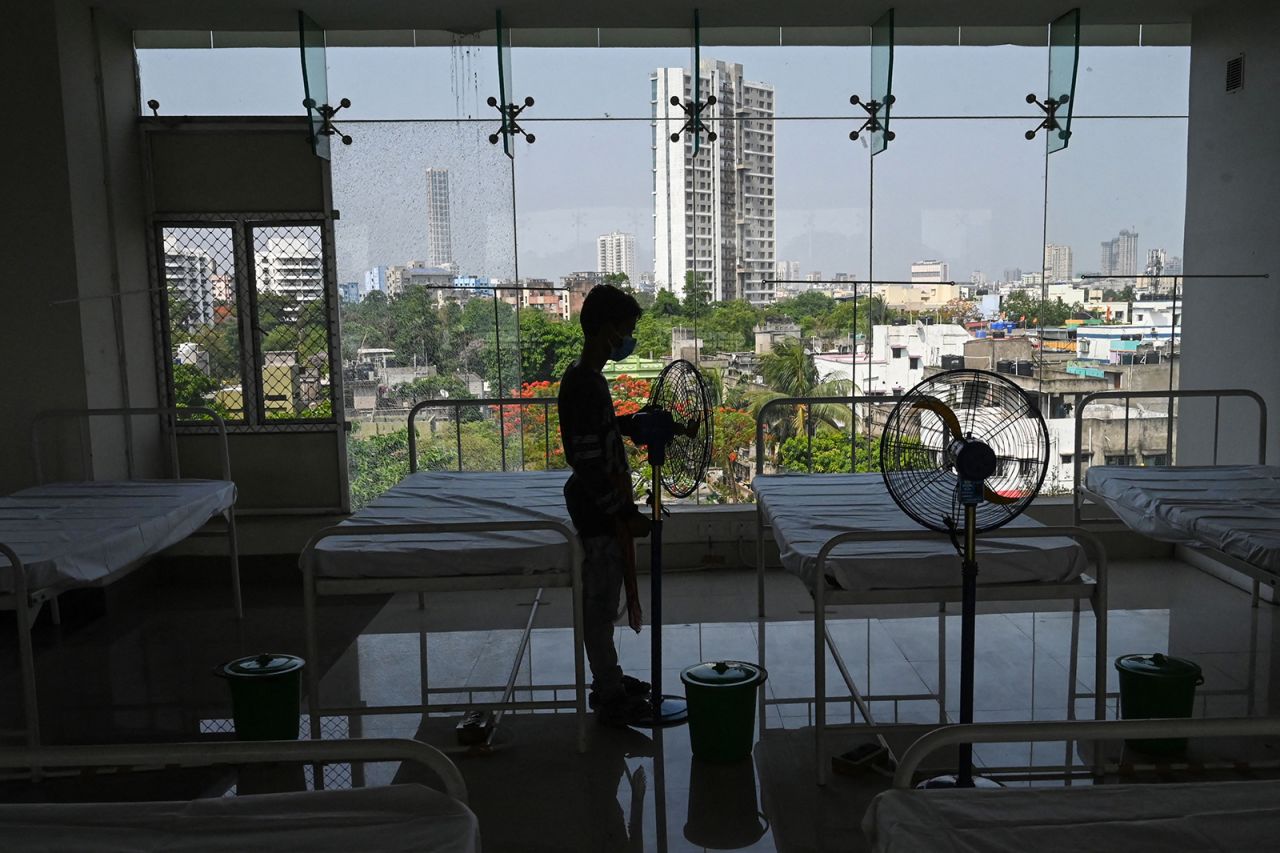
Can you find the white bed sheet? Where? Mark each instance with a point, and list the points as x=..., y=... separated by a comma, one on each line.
x=442, y=497
x=1234, y=508
x=1241, y=817
x=807, y=510
x=394, y=819
x=76, y=534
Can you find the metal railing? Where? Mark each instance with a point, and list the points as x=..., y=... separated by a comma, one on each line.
x=809, y=402
x=501, y=405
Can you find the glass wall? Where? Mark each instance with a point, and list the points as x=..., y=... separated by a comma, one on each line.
x=782, y=256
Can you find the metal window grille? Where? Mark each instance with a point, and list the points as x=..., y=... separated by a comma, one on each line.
x=202, y=311
x=247, y=319
x=291, y=338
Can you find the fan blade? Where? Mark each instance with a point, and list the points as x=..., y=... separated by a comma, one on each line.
x=997, y=498
x=942, y=410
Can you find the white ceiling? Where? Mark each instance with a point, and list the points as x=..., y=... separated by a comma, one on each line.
x=463, y=16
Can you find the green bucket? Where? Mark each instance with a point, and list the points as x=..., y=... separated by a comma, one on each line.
x=266, y=694
x=1155, y=687
x=722, y=708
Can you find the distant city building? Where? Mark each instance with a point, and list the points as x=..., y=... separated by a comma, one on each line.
x=616, y=253
x=349, y=291
x=189, y=274
x=716, y=209
x=978, y=278
x=291, y=266
x=1057, y=262
x=1120, y=255
x=439, y=232
x=1174, y=267
x=224, y=288
x=1013, y=274
x=1032, y=279
x=816, y=275
x=578, y=284
x=1157, y=262
x=929, y=272
x=645, y=282
x=374, y=279
x=787, y=271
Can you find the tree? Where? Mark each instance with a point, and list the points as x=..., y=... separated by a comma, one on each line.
x=416, y=327
x=697, y=293
x=191, y=386
x=1027, y=310
x=653, y=334
x=665, y=304
x=735, y=429
x=547, y=346
x=790, y=372
x=828, y=453
x=618, y=279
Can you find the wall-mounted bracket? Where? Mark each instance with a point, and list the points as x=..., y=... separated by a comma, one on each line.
x=1050, y=120
x=326, y=113
x=509, y=126
x=693, y=122
x=872, y=124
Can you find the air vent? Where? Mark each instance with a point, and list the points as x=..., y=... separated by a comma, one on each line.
x=1235, y=74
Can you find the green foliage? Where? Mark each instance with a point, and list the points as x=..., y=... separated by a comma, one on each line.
x=1045, y=312
x=191, y=385
x=829, y=452
x=548, y=346
x=665, y=304
x=697, y=294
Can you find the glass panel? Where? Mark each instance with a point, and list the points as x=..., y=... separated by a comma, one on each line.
x=1064, y=58
x=431, y=322
x=315, y=81
x=292, y=321
x=199, y=274
x=430, y=82
x=1133, y=81
x=882, y=77
x=1115, y=209
x=695, y=71
x=937, y=82
x=221, y=81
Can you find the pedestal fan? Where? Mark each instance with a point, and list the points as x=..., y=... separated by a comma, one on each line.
x=964, y=452
x=676, y=430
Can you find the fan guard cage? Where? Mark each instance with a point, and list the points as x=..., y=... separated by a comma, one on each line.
x=681, y=391
x=917, y=462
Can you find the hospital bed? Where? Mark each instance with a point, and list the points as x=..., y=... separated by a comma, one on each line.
x=439, y=531
x=69, y=535
x=1229, y=512
x=845, y=539
x=399, y=817
x=1236, y=816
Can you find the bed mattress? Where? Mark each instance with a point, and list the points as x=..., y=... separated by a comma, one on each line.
x=1234, y=508
x=444, y=497
x=806, y=511
x=1242, y=817
x=78, y=534
x=389, y=820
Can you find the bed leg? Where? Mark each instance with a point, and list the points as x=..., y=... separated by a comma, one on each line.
x=819, y=674
x=233, y=554
x=759, y=562
x=26, y=654
x=942, y=663
x=55, y=611
x=1074, y=668
x=313, y=651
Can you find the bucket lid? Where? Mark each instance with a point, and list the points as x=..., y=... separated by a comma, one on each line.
x=1158, y=665
x=723, y=673
x=263, y=664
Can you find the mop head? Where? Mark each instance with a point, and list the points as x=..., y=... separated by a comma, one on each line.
x=871, y=756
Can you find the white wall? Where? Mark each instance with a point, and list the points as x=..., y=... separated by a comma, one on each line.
x=1232, y=226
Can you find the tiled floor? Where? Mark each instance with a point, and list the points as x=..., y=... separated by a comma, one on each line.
x=137, y=666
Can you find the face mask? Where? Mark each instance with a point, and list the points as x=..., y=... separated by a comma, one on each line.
x=624, y=349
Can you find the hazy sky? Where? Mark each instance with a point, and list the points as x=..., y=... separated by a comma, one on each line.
x=956, y=184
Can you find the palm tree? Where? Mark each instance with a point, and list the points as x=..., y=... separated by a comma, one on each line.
x=789, y=371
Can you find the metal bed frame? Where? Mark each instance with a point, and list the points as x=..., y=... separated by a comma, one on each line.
x=315, y=586
x=27, y=603
x=1077, y=730
x=1092, y=588
x=1083, y=495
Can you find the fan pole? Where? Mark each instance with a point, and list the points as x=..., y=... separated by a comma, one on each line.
x=968, y=618
x=666, y=710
